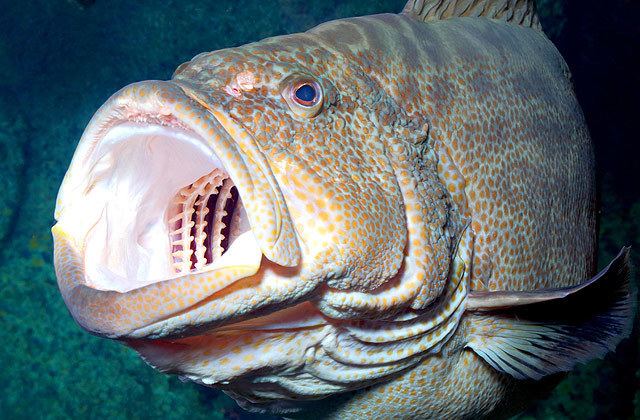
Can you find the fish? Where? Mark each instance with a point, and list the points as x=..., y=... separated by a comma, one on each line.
x=388, y=216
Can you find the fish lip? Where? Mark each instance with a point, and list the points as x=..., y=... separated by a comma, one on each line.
x=259, y=300
x=262, y=180
x=79, y=297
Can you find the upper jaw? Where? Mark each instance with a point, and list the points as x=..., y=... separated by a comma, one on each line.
x=117, y=219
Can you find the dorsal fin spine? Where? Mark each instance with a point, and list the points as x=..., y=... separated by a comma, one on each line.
x=518, y=12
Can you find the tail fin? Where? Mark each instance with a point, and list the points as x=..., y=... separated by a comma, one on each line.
x=539, y=337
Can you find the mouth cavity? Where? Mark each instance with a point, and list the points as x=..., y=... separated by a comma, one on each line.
x=165, y=207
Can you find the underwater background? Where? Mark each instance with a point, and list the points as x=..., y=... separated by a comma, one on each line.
x=61, y=59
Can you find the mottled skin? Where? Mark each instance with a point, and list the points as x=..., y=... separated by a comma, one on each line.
x=448, y=156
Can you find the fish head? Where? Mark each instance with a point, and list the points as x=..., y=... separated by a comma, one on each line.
x=325, y=151
x=204, y=220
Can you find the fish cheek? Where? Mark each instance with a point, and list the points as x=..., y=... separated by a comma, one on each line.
x=343, y=198
x=339, y=187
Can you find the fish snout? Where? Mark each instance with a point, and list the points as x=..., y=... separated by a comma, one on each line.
x=167, y=201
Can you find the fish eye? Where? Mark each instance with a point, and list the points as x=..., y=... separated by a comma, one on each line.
x=304, y=95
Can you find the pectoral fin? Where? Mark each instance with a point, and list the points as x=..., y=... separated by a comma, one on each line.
x=529, y=335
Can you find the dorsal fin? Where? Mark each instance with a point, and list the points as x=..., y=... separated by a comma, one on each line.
x=518, y=12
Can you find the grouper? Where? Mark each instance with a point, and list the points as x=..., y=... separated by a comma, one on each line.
x=389, y=216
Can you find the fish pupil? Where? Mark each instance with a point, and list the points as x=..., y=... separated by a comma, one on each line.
x=306, y=93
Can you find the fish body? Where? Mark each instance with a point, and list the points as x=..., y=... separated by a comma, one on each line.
x=385, y=216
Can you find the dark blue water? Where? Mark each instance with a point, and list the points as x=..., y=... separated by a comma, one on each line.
x=61, y=59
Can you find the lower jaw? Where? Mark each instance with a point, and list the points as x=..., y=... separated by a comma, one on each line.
x=248, y=303
x=236, y=351
x=301, y=317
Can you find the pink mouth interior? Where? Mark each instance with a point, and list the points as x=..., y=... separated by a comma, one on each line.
x=165, y=206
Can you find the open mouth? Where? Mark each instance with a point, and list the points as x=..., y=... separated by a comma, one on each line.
x=166, y=207
x=170, y=221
